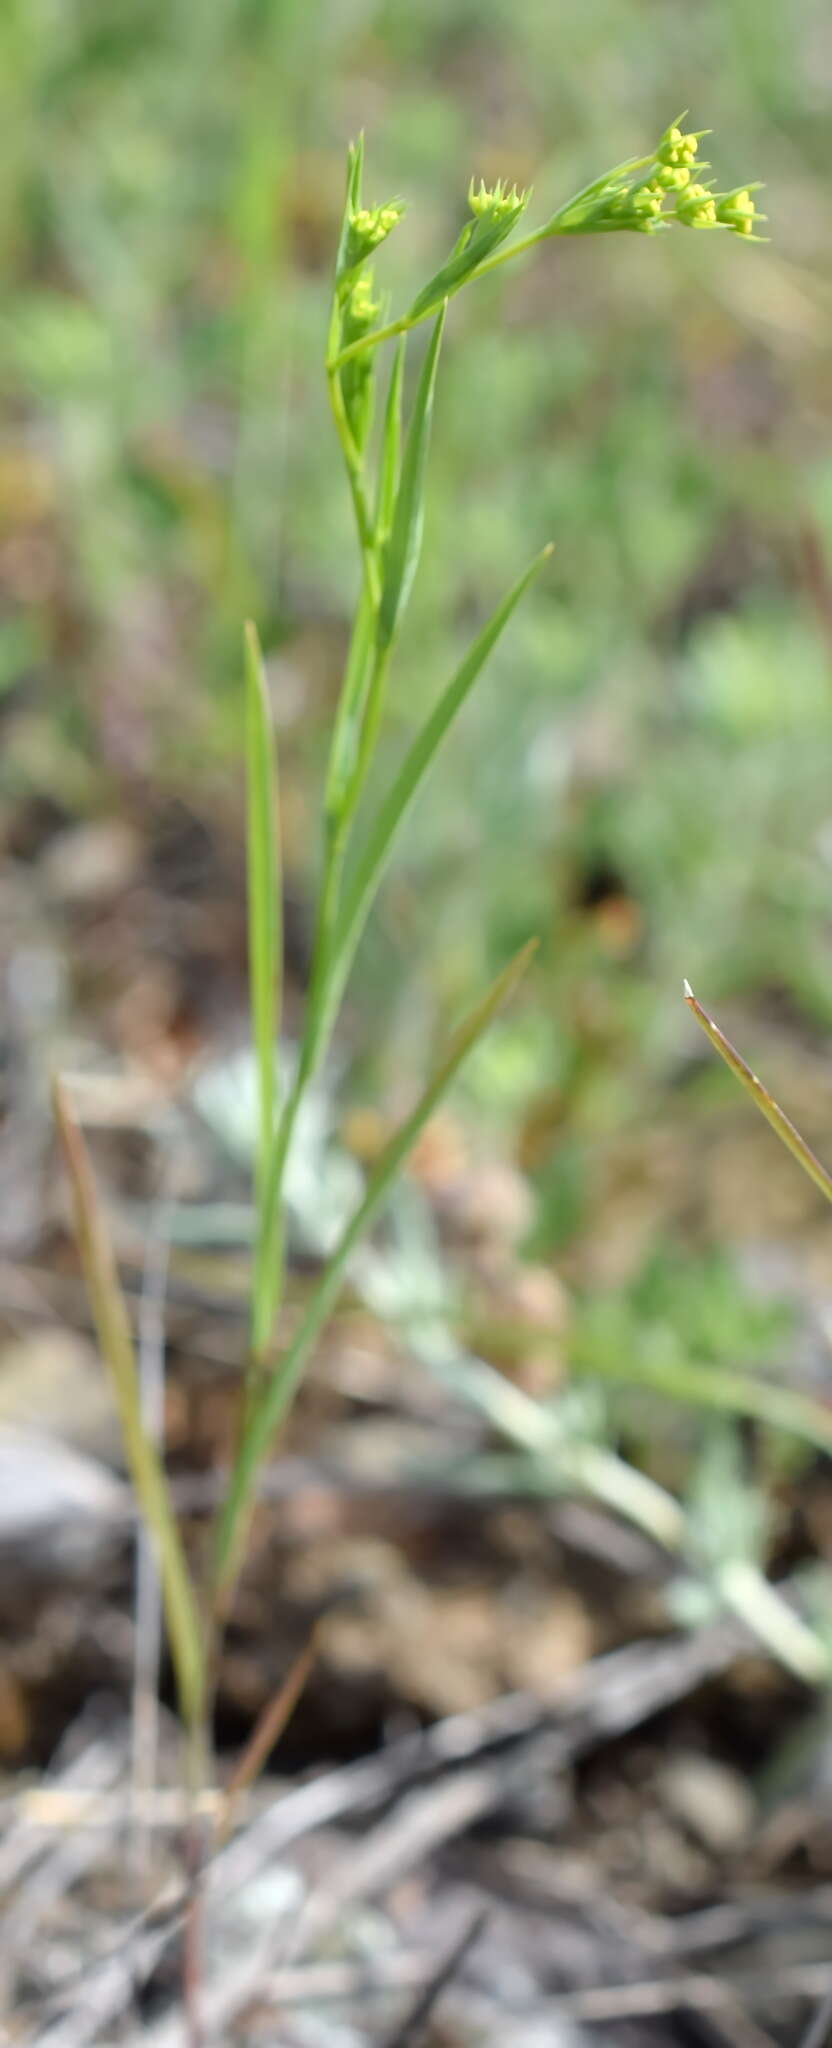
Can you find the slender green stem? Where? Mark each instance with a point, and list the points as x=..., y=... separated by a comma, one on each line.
x=372, y=340
x=690, y=1384
x=264, y=895
x=344, y=743
x=197, y=1779
x=270, y=1249
x=526, y=242
x=404, y=323
x=326, y=925
x=268, y=1253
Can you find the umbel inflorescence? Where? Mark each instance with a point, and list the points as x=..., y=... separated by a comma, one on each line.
x=645, y=195
x=651, y=193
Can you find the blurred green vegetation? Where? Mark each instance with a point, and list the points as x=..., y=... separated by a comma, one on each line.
x=643, y=776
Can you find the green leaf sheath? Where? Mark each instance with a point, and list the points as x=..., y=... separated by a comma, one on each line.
x=277, y=1393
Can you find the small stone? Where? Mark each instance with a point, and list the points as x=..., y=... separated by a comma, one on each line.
x=709, y=1799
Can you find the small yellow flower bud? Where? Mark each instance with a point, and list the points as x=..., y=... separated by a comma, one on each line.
x=647, y=202
x=635, y=206
x=736, y=210
x=677, y=151
x=495, y=204
x=695, y=207
x=367, y=228
x=361, y=308
x=672, y=178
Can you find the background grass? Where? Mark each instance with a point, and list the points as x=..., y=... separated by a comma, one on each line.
x=643, y=779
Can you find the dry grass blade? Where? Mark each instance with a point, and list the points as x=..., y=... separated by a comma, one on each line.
x=774, y=1115
x=267, y=1731
x=116, y=1344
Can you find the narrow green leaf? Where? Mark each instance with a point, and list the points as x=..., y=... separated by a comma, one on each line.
x=770, y=1109
x=362, y=884
x=352, y=200
x=264, y=893
x=116, y=1345
x=276, y=1395
x=391, y=444
x=692, y=1384
x=609, y=182
x=478, y=240
x=401, y=554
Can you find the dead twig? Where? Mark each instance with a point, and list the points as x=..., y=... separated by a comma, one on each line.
x=819, y=2031
x=407, y=2033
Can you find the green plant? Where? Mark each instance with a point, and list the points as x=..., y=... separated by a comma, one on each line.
x=385, y=472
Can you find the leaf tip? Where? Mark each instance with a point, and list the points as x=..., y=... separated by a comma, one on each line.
x=65, y=1122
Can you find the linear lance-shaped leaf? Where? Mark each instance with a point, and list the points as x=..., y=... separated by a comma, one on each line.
x=391, y=443
x=352, y=200
x=277, y=1392
x=479, y=239
x=403, y=548
x=363, y=883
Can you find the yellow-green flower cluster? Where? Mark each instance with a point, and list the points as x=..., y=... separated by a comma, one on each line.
x=368, y=226
x=494, y=212
x=695, y=204
x=695, y=208
x=360, y=312
x=649, y=194
x=676, y=152
x=361, y=309
x=500, y=203
x=637, y=206
x=699, y=207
